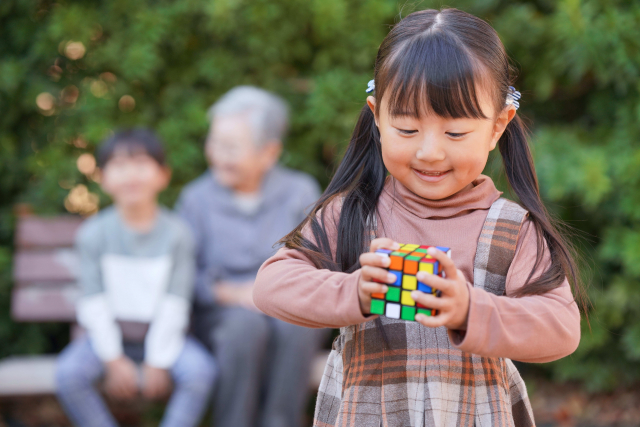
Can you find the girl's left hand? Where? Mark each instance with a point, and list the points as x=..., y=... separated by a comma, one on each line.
x=453, y=304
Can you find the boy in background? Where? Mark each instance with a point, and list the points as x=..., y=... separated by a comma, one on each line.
x=137, y=277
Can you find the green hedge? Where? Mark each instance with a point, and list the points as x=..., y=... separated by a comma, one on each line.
x=73, y=71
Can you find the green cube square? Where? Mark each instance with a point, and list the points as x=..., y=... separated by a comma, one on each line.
x=424, y=311
x=408, y=313
x=393, y=294
x=423, y=250
x=402, y=254
x=413, y=258
x=377, y=306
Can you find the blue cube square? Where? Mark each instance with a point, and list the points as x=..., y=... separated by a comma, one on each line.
x=425, y=288
x=398, y=275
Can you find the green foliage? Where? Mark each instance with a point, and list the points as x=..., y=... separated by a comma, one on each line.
x=579, y=64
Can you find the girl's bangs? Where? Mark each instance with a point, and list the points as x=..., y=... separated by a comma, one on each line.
x=433, y=74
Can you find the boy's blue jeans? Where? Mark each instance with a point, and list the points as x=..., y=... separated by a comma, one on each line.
x=78, y=368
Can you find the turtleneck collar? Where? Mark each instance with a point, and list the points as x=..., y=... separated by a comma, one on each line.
x=480, y=195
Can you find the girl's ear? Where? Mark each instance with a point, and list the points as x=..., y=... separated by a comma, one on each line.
x=371, y=102
x=506, y=115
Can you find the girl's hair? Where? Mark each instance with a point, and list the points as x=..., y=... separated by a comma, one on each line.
x=432, y=62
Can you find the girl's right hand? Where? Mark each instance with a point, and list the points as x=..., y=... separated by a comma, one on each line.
x=373, y=267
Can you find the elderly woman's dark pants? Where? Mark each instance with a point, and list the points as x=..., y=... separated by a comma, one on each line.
x=264, y=366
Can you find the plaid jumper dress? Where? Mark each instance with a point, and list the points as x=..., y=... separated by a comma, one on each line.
x=422, y=380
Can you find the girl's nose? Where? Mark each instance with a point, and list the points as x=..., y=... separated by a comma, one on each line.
x=430, y=150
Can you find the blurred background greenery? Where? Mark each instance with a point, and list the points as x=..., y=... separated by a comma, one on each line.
x=73, y=71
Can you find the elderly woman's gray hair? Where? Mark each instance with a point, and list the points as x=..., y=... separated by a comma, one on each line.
x=267, y=113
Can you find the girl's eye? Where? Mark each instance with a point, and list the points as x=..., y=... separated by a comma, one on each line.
x=407, y=132
x=456, y=135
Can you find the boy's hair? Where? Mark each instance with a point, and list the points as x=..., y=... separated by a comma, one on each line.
x=133, y=141
x=268, y=114
x=434, y=62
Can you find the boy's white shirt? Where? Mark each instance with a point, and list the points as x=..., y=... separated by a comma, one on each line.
x=95, y=315
x=134, y=285
x=136, y=290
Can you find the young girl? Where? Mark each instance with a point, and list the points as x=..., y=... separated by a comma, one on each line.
x=441, y=101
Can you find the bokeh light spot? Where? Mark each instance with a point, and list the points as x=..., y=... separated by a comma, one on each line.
x=108, y=77
x=70, y=94
x=99, y=88
x=74, y=50
x=127, y=103
x=46, y=103
x=86, y=163
x=81, y=201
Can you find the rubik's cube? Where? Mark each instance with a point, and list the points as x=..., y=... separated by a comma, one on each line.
x=405, y=264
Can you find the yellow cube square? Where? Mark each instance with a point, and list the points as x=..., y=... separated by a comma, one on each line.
x=406, y=299
x=409, y=282
x=426, y=266
x=410, y=247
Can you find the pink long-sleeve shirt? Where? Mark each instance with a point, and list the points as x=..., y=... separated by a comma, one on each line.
x=537, y=328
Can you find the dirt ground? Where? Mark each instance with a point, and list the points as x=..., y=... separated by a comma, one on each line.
x=554, y=406
x=569, y=406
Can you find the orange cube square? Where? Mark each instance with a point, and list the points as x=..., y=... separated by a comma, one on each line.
x=396, y=263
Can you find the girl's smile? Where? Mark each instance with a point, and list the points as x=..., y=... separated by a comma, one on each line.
x=432, y=176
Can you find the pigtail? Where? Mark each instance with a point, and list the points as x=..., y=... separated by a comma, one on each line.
x=359, y=180
x=520, y=171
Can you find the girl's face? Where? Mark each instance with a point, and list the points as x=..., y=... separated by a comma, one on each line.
x=437, y=157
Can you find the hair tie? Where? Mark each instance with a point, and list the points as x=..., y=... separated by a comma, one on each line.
x=371, y=86
x=512, y=97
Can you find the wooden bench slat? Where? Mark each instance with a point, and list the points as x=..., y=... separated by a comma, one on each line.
x=31, y=375
x=27, y=375
x=52, y=303
x=33, y=231
x=55, y=265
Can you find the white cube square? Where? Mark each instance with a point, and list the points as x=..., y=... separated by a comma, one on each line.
x=393, y=311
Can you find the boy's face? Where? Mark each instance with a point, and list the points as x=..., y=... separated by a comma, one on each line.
x=238, y=162
x=132, y=179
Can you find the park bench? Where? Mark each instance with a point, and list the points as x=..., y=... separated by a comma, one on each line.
x=45, y=267
x=44, y=275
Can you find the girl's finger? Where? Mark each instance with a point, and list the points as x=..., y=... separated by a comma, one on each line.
x=435, y=281
x=377, y=274
x=431, y=321
x=374, y=288
x=383, y=243
x=447, y=263
x=376, y=260
x=430, y=301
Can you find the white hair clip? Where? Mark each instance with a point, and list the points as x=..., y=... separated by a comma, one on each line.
x=512, y=97
x=371, y=86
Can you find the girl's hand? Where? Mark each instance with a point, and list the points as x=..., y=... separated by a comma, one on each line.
x=453, y=304
x=373, y=267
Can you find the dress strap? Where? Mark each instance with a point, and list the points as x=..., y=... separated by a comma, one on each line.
x=497, y=245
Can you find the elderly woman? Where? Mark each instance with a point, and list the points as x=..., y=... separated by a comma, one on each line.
x=238, y=210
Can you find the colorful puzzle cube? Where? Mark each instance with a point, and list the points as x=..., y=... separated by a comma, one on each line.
x=405, y=264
